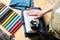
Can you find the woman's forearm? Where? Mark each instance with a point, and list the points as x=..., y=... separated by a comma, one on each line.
x=48, y=9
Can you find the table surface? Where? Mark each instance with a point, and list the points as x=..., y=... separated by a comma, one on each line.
x=19, y=35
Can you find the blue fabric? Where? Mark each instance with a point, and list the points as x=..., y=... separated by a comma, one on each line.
x=21, y=4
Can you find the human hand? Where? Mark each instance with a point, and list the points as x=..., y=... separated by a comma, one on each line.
x=36, y=13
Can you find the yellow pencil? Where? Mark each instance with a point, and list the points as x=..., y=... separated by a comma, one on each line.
x=8, y=18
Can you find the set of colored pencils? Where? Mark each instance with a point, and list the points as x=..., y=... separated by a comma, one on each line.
x=9, y=19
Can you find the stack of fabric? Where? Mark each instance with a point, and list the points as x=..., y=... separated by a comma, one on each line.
x=9, y=19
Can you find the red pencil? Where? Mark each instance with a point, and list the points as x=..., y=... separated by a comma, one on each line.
x=16, y=27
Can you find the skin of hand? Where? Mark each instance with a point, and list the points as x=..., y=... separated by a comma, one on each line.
x=39, y=13
x=35, y=13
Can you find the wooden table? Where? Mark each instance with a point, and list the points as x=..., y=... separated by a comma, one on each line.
x=19, y=35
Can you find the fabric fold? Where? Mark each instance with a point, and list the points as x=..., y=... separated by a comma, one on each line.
x=21, y=4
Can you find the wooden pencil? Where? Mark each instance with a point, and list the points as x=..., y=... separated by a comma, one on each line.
x=8, y=18
x=3, y=9
x=9, y=25
x=11, y=11
x=14, y=23
x=4, y=14
x=16, y=28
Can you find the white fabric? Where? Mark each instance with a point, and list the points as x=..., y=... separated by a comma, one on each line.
x=57, y=10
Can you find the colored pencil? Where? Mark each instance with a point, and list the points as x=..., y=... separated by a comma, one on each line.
x=14, y=23
x=3, y=9
x=11, y=11
x=1, y=5
x=4, y=15
x=17, y=27
x=8, y=18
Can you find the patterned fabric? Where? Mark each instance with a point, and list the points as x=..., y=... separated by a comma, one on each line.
x=4, y=36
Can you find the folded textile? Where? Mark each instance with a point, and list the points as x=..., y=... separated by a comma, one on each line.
x=21, y=4
x=4, y=36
